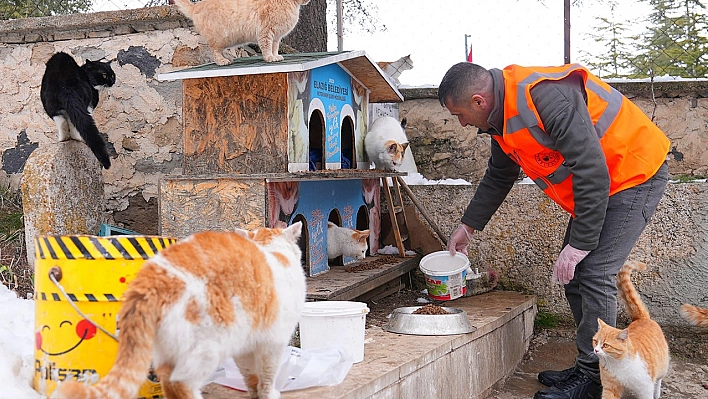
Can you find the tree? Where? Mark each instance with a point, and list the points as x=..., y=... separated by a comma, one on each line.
x=357, y=16
x=12, y=9
x=676, y=43
x=310, y=33
x=318, y=19
x=611, y=34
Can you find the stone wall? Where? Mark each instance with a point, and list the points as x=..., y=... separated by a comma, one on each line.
x=443, y=149
x=142, y=119
x=140, y=116
x=523, y=239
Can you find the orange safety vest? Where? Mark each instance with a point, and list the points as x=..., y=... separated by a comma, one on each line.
x=634, y=147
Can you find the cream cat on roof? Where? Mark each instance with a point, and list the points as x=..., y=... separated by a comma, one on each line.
x=229, y=23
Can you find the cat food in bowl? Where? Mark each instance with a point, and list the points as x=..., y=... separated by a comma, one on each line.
x=406, y=321
x=445, y=275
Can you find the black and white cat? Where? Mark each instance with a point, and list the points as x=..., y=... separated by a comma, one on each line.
x=70, y=94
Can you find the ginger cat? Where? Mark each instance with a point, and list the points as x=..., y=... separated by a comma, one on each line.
x=208, y=297
x=229, y=23
x=695, y=315
x=635, y=358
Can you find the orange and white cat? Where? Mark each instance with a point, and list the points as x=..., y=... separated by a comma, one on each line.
x=211, y=296
x=229, y=23
x=635, y=358
x=342, y=241
x=695, y=315
x=386, y=143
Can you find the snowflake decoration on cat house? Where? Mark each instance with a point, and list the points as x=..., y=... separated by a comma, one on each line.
x=297, y=125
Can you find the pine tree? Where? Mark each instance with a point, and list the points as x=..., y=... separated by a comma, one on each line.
x=675, y=44
x=611, y=34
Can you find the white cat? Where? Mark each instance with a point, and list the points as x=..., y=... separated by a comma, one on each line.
x=342, y=241
x=386, y=143
x=395, y=68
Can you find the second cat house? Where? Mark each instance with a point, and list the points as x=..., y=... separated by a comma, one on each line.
x=268, y=144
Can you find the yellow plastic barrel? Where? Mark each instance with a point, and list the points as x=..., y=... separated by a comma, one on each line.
x=75, y=318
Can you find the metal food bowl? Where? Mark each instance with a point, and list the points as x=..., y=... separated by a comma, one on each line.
x=403, y=321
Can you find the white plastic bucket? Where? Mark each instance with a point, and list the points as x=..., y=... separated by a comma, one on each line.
x=336, y=323
x=445, y=275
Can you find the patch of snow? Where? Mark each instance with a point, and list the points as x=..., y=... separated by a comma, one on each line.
x=16, y=346
x=391, y=250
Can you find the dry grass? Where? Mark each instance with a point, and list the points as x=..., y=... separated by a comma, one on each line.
x=15, y=272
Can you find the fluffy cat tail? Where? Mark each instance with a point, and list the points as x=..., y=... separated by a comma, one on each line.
x=186, y=7
x=627, y=292
x=84, y=123
x=695, y=315
x=139, y=318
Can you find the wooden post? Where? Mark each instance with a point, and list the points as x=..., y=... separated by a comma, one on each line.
x=422, y=211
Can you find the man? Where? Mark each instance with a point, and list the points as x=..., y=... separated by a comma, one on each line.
x=589, y=149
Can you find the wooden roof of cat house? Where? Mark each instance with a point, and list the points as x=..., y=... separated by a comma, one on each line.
x=307, y=112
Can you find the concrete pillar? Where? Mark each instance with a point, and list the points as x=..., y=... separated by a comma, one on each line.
x=62, y=192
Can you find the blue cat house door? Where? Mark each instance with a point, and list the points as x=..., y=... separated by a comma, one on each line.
x=269, y=144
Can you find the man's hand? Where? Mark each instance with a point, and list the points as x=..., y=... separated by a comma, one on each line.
x=459, y=240
x=564, y=269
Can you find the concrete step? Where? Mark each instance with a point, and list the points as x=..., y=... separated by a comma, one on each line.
x=398, y=366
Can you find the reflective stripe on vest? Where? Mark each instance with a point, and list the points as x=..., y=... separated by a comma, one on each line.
x=527, y=119
x=634, y=147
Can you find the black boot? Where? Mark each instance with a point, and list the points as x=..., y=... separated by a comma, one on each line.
x=552, y=377
x=576, y=386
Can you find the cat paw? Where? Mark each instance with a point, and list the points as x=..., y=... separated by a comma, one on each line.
x=273, y=58
x=222, y=61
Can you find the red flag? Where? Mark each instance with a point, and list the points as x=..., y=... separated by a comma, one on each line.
x=469, y=56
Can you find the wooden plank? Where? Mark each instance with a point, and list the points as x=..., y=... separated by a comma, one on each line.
x=338, y=284
x=354, y=174
x=187, y=206
x=358, y=63
x=235, y=124
x=382, y=87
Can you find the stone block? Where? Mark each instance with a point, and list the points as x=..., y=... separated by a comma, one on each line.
x=62, y=192
x=69, y=35
x=100, y=33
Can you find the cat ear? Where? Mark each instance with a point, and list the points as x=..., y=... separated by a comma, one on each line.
x=363, y=235
x=404, y=121
x=600, y=323
x=623, y=335
x=404, y=145
x=392, y=148
x=293, y=232
x=242, y=232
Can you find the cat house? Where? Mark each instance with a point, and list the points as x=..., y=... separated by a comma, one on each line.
x=270, y=144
